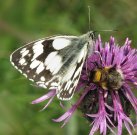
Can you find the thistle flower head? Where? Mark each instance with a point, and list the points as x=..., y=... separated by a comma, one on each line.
x=111, y=69
x=105, y=88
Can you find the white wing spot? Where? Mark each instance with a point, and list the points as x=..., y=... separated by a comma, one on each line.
x=28, y=71
x=70, y=90
x=31, y=80
x=60, y=43
x=54, y=84
x=53, y=62
x=24, y=53
x=24, y=64
x=42, y=78
x=78, y=71
x=23, y=50
x=22, y=61
x=19, y=70
x=25, y=75
x=52, y=87
x=34, y=64
x=41, y=84
x=37, y=49
x=82, y=53
x=68, y=85
x=15, y=67
x=40, y=68
x=29, y=55
x=47, y=83
x=50, y=57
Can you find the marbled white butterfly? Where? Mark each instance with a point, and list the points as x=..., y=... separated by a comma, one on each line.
x=55, y=62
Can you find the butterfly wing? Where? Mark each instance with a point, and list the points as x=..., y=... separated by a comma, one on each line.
x=71, y=78
x=54, y=62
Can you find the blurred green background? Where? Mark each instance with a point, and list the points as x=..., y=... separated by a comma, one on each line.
x=22, y=21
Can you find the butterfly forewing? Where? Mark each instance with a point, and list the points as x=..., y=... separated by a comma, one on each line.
x=54, y=62
x=29, y=60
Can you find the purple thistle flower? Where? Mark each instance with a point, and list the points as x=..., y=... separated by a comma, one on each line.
x=112, y=69
x=106, y=98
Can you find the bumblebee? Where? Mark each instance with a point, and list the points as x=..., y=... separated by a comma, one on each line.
x=109, y=78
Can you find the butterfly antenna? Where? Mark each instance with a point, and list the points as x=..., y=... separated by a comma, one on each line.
x=113, y=30
x=89, y=17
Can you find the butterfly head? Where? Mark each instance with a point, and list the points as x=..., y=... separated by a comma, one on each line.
x=91, y=35
x=89, y=40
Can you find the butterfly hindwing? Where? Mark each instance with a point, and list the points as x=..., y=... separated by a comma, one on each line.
x=69, y=84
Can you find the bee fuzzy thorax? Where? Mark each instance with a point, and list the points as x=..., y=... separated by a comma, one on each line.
x=109, y=78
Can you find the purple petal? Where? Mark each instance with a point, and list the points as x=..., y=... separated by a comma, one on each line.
x=100, y=119
x=128, y=93
x=109, y=107
x=94, y=128
x=128, y=127
x=45, y=97
x=119, y=125
x=119, y=113
x=66, y=115
x=47, y=103
x=61, y=104
x=92, y=115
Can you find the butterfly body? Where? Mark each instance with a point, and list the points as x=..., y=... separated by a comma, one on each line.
x=55, y=62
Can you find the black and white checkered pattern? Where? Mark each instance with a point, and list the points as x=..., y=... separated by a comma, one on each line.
x=55, y=62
